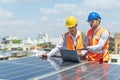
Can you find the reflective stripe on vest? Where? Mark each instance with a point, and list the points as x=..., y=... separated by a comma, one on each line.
x=65, y=43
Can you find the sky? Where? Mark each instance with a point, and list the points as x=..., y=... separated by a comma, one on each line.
x=28, y=18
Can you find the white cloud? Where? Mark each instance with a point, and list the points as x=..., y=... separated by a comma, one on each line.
x=44, y=18
x=58, y=13
x=36, y=0
x=7, y=1
x=17, y=1
x=5, y=14
x=60, y=8
x=83, y=8
x=101, y=4
x=49, y=11
x=17, y=23
x=66, y=7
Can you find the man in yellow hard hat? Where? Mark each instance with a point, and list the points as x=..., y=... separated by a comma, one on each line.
x=72, y=40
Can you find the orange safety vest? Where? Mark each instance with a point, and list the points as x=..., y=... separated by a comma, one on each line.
x=93, y=40
x=68, y=42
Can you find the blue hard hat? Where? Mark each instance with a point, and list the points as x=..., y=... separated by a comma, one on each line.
x=93, y=16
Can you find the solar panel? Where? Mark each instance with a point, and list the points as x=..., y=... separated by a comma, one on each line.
x=88, y=71
x=29, y=67
x=35, y=68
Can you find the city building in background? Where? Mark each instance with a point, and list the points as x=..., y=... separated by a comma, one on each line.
x=42, y=37
x=43, y=42
x=117, y=43
x=111, y=45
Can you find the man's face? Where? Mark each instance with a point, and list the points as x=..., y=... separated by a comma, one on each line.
x=72, y=30
x=94, y=23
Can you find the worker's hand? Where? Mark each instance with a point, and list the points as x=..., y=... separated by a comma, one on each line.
x=78, y=51
x=84, y=48
x=44, y=55
x=80, y=55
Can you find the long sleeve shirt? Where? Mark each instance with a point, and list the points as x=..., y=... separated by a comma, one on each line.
x=60, y=44
x=104, y=37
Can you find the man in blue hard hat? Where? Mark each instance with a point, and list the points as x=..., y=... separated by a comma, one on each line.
x=97, y=40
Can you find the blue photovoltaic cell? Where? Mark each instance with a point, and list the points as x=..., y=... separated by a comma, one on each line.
x=35, y=68
x=88, y=71
x=29, y=67
x=24, y=68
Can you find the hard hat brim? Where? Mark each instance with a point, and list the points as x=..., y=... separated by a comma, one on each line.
x=69, y=26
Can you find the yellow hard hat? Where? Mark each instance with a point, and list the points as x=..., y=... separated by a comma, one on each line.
x=71, y=21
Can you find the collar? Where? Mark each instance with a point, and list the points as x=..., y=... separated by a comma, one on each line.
x=78, y=34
